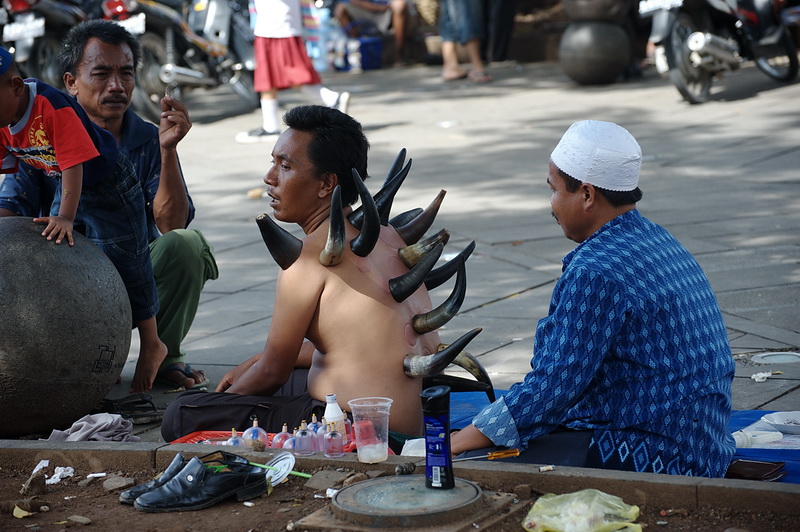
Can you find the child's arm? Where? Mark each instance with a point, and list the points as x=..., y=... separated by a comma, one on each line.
x=60, y=226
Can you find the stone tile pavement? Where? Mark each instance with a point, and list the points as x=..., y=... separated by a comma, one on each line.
x=724, y=177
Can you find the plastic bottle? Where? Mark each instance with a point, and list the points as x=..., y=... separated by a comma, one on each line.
x=281, y=437
x=236, y=440
x=436, y=414
x=334, y=414
x=334, y=446
x=305, y=441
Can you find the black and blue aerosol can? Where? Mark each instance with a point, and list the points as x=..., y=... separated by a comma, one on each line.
x=436, y=414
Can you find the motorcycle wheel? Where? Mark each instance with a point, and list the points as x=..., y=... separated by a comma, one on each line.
x=43, y=63
x=780, y=60
x=244, y=88
x=692, y=82
x=150, y=89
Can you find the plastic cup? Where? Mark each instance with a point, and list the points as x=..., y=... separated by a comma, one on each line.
x=371, y=428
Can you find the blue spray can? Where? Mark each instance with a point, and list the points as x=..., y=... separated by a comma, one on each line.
x=436, y=414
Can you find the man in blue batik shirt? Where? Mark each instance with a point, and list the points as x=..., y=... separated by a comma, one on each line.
x=631, y=369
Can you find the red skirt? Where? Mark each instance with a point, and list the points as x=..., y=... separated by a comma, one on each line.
x=282, y=64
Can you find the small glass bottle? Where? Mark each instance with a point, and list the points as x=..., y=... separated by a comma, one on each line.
x=281, y=437
x=305, y=441
x=255, y=433
x=334, y=446
x=236, y=440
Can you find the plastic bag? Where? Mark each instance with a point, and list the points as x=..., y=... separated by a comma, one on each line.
x=582, y=511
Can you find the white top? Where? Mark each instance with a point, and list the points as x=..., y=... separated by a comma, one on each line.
x=278, y=18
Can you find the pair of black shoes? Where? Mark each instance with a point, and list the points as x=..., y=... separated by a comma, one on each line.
x=198, y=483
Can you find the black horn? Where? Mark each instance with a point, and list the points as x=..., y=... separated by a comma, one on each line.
x=410, y=255
x=284, y=247
x=441, y=274
x=429, y=365
x=365, y=242
x=430, y=321
x=403, y=286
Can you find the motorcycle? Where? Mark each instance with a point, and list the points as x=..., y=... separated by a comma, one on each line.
x=193, y=44
x=33, y=35
x=698, y=40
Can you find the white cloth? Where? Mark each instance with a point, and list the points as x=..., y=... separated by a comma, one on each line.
x=97, y=427
x=602, y=154
x=278, y=19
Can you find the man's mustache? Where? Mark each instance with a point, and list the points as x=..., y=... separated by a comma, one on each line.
x=114, y=99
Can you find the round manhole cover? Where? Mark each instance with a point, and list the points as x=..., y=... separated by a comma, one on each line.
x=776, y=357
x=405, y=501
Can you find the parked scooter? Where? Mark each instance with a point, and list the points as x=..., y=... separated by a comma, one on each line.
x=193, y=44
x=698, y=40
x=33, y=34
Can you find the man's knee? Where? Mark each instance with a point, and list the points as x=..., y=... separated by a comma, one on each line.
x=186, y=249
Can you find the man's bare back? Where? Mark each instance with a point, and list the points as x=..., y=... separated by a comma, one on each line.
x=361, y=333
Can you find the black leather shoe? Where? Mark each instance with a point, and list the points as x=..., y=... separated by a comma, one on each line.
x=200, y=485
x=177, y=464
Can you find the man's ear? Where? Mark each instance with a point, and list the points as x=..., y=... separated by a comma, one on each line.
x=70, y=84
x=327, y=184
x=588, y=195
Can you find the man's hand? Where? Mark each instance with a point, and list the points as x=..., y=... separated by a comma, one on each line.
x=175, y=123
x=57, y=227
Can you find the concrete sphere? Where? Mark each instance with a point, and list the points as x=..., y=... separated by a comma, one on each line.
x=65, y=329
x=594, y=53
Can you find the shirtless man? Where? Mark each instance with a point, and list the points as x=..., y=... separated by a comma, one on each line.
x=340, y=320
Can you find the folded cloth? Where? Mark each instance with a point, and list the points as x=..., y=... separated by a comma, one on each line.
x=97, y=427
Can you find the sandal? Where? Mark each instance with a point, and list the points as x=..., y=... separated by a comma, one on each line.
x=138, y=408
x=185, y=370
x=477, y=76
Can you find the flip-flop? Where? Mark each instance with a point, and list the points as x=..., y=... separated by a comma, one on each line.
x=186, y=371
x=479, y=77
x=455, y=78
x=139, y=408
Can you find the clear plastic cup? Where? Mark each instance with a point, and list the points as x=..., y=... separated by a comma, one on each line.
x=371, y=428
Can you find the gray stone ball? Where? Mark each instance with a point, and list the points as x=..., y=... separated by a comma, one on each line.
x=594, y=53
x=65, y=329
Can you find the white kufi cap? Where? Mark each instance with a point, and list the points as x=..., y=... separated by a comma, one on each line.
x=602, y=154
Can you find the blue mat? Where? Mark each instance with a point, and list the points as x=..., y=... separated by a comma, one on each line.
x=465, y=405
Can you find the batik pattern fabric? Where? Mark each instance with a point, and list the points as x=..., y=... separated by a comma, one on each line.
x=634, y=349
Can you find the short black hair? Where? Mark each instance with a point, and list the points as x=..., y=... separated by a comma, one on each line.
x=338, y=144
x=617, y=198
x=71, y=51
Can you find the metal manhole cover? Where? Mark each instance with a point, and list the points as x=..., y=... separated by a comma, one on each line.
x=777, y=357
x=392, y=502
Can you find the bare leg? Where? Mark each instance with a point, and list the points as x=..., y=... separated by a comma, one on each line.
x=151, y=353
x=450, y=68
x=477, y=70
x=399, y=19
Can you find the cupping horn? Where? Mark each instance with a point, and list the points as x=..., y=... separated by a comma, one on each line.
x=473, y=366
x=411, y=255
x=331, y=255
x=441, y=274
x=404, y=217
x=459, y=384
x=365, y=242
x=284, y=247
x=403, y=286
x=416, y=228
x=430, y=321
x=429, y=365
x=385, y=196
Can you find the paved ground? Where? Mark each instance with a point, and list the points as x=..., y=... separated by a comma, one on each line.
x=723, y=177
